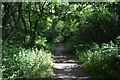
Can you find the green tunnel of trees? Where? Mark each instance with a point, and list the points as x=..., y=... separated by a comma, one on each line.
x=34, y=26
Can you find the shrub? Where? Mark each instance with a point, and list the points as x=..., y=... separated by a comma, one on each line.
x=73, y=45
x=51, y=47
x=101, y=62
x=23, y=63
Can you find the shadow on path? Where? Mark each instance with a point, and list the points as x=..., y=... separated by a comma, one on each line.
x=66, y=68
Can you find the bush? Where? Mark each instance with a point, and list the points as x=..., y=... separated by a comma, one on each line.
x=101, y=62
x=51, y=47
x=73, y=45
x=23, y=63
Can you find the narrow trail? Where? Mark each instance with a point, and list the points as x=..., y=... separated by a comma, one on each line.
x=66, y=68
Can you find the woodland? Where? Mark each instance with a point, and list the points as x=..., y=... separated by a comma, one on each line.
x=89, y=31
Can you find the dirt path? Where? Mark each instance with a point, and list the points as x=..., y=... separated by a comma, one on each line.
x=66, y=68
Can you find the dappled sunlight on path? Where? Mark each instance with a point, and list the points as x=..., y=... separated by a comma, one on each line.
x=66, y=68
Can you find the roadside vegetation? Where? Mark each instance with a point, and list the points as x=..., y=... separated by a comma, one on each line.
x=89, y=30
x=19, y=62
x=100, y=62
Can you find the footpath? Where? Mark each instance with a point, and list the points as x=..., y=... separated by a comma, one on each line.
x=66, y=68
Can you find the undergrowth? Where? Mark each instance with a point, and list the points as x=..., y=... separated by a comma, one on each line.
x=100, y=61
x=26, y=63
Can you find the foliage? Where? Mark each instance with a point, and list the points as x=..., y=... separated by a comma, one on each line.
x=74, y=44
x=101, y=62
x=51, y=47
x=98, y=25
x=57, y=21
x=40, y=24
x=23, y=63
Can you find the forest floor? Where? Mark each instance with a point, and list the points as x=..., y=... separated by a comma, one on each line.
x=66, y=68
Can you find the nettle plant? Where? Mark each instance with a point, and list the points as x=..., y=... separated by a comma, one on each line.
x=22, y=63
